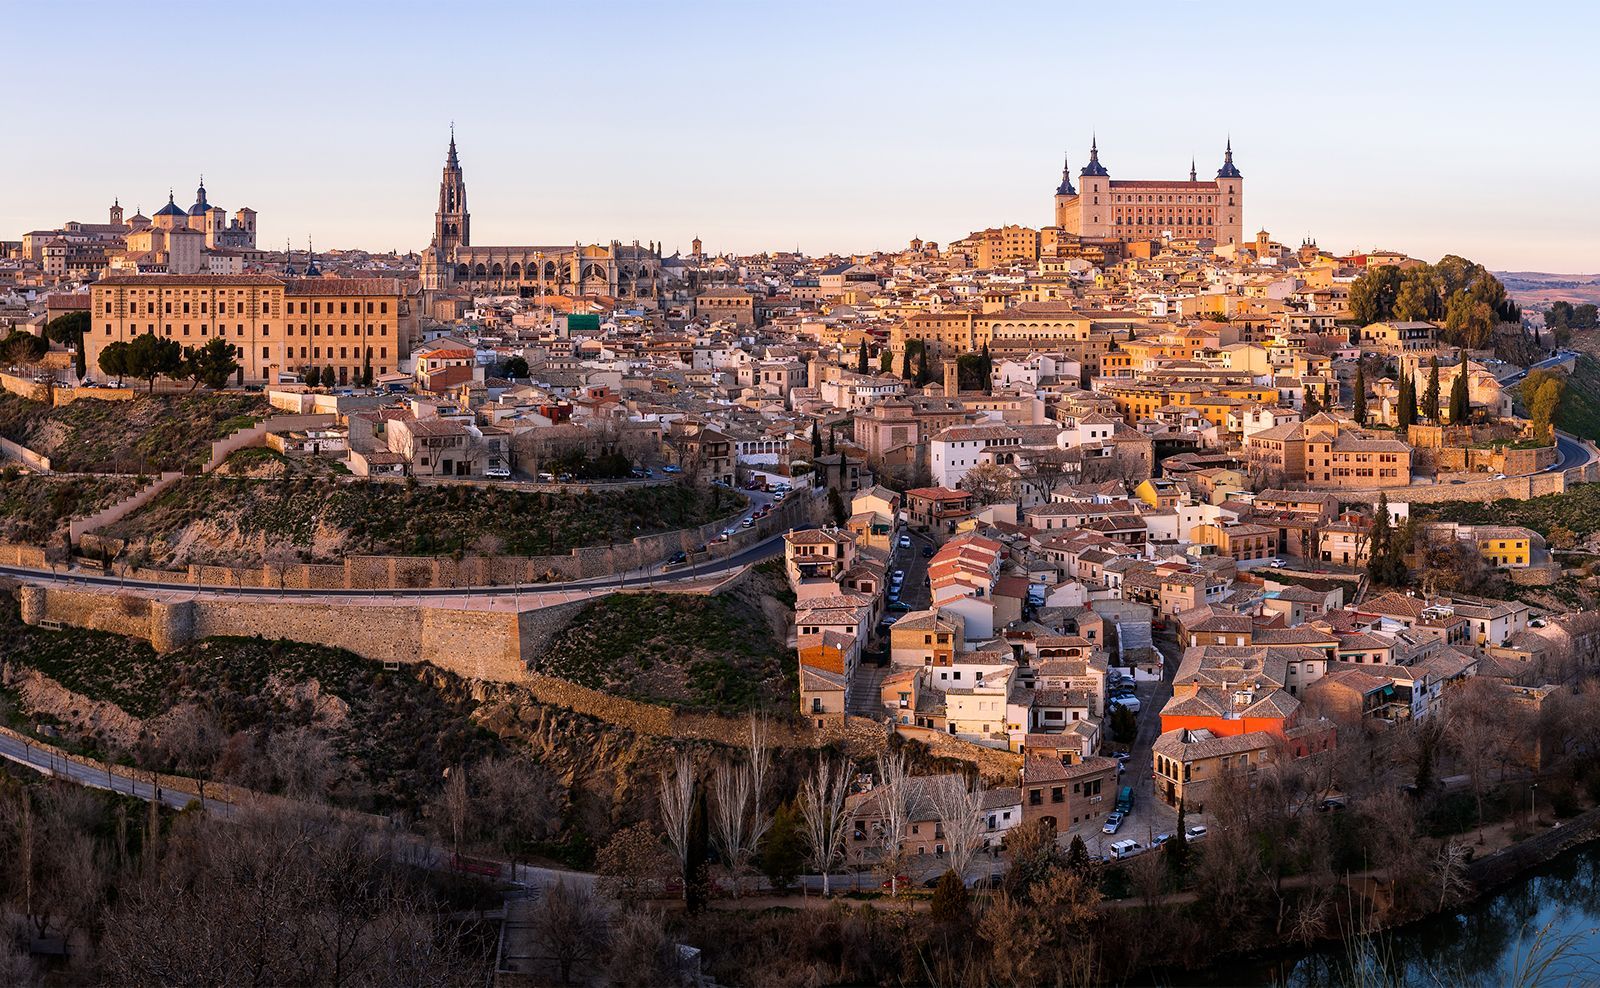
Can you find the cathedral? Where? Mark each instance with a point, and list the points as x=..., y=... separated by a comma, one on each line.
x=1134, y=209
x=452, y=263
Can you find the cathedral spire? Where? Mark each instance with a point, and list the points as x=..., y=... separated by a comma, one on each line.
x=450, y=161
x=1191, y=170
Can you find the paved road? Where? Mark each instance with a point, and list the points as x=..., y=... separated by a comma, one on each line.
x=655, y=576
x=47, y=761
x=1561, y=357
x=1573, y=453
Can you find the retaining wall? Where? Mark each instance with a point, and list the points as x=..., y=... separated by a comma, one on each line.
x=79, y=527
x=475, y=644
x=17, y=451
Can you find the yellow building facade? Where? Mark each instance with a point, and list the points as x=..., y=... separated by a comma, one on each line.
x=276, y=325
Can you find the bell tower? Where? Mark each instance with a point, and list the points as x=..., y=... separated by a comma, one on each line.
x=452, y=224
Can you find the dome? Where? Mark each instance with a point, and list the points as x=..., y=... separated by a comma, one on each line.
x=171, y=208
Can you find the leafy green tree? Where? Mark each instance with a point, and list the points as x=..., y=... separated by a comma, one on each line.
x=1417, y=298
x=1124, y=727
x=24, y=348
x=69, y=330
x=783, y=849
x=1373, y=293
x=151, y=356
x=114, y=360
x=1545, y=403
x=514, y=367
x=886, y=361
x=1468, y=321
x=213, y=364
x=1460, y=399
x=951, y=900
x=328, y=376
x=1430, y=397
x=1386, y=564
x=312, y=376
x=1358, y=396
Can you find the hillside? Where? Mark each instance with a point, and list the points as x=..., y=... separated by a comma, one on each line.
x=231, y=520
x=282, y=713
x=147, y=434
x=725, y=653
x=36, y=509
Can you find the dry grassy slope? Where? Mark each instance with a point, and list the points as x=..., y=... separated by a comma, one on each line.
x=232, y=520
x=725, y=653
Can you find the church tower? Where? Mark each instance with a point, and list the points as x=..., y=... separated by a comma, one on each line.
x=452, y=224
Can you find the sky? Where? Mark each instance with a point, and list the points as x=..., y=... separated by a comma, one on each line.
x=1432, y=128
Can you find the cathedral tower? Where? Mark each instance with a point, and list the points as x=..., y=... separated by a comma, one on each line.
x=452, y=224
x=1066, y=196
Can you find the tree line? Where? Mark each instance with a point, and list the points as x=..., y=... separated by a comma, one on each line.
x=1460, y=295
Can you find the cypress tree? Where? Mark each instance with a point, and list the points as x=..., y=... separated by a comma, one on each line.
x=1460, y=400
x=816, y=440
x=905, y=362
x=1430, y=397
x=1358, y=400
x=1406, y=406
x=988, y=371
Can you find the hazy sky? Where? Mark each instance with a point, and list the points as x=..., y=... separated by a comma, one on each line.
x=1431, y=128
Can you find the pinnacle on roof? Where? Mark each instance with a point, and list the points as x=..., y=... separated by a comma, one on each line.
x=1065, y=188
x=1228, y=170
x=450, y=160
x=1094, y=168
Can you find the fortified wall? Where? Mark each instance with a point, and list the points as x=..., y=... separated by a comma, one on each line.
x=477, y=644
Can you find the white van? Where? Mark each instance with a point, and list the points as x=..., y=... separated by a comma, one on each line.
x=1125, y=849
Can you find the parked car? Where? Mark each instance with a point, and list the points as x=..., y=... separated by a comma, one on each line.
x=898, y=576
x=905, y=541
x=1275, y=562
x=677, y=559
x=927, y=552
x=899, y=605
x=749, y=522
x=669, y=468
x=1125, y=849
x=1131, y=702
x=779, y=496
x=1113, y=823
x=497, y=473
x=1159, y=839
x=1196, y=832
x=898, y=881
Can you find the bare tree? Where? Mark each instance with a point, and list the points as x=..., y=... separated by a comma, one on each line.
x=517, y=802
x=455, y=804
x=570, y=924
x=988, y=483
x=959, y=809
x=738, y=822
x=823, y=817
x=677, y=809
x=892, y=798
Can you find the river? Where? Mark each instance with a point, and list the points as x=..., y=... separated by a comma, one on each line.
x=1541, y=929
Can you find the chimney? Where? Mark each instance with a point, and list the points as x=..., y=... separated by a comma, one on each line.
x=951, y=379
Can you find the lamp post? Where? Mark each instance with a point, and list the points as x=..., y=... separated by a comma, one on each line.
x=1533, y=792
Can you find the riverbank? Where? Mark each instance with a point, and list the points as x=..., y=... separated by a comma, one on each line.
x=1490, y=878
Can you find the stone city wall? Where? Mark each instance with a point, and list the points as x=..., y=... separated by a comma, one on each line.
x=17, y=554
x=471, y=643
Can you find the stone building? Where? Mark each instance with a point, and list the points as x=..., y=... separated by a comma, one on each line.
x=1123, y=209
x=277, y=325
x=452, y=262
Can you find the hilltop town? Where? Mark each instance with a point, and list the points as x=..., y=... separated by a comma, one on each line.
x=1069, y=564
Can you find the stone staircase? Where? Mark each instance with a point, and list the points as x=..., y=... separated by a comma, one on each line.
x=865, y=685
